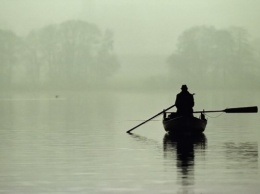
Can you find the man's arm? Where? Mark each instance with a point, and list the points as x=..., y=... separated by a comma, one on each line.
x=177, y=101
x=192, y=100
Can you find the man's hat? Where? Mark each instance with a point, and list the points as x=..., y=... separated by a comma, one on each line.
x=184, y=87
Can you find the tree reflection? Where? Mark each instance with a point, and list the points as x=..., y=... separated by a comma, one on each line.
x=183, y=149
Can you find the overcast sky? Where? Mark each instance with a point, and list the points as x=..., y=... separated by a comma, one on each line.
x=140, y=26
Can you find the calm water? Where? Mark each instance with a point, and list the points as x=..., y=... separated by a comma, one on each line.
x=76, y=143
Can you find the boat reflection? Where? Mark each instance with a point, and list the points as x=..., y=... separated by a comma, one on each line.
x=182, y=149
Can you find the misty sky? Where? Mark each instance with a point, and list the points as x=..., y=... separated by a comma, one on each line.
x=148, y=28
x=140, y=26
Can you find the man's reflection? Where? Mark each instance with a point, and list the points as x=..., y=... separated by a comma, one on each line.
x=184, y=148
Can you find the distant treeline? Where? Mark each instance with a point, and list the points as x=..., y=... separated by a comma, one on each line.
x=216, y=58
x=77, y=54
x=70, y=54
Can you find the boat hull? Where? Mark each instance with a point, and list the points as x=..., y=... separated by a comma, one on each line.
x=185, y=125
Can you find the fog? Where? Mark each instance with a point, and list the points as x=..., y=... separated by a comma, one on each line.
x=140, y=43
x=75, y=75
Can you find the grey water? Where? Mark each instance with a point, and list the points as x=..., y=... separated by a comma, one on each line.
x=75, y=142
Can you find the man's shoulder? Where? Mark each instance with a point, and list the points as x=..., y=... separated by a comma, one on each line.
x=184, y=94
x=179, y=94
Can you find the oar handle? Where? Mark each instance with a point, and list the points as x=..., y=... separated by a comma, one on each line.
x=250, y=109
x=150, y=119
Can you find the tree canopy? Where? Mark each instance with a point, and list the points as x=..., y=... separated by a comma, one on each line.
x=216, y=56
x=70, y=53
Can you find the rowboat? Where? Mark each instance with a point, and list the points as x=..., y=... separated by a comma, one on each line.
x=175, y=124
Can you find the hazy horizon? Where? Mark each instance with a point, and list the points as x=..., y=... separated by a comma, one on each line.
x=141, y=28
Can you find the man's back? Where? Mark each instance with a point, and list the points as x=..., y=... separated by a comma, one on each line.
x=184, y=103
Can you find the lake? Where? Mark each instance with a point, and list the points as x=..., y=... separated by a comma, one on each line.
x=65, y=142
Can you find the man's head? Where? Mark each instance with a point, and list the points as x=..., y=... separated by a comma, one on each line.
x=184, y=88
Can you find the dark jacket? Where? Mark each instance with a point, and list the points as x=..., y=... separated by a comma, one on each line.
x=184, y=103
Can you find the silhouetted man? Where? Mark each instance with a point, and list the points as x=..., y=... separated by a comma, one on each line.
x=184, y=102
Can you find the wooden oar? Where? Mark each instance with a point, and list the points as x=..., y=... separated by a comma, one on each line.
x=150, y=119
x=250, y=109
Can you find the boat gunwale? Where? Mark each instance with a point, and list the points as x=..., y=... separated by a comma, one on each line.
x=199, y=125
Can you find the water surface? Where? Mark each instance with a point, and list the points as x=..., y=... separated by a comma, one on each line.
x=76, y=143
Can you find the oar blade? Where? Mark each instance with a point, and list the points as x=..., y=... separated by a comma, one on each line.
x=251, y=109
